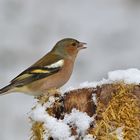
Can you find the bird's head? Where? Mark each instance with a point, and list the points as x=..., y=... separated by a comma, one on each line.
x=68, y=47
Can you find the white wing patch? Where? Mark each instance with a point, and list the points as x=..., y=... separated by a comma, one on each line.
x=56, y=64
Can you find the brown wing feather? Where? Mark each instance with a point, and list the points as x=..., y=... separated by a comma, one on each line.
x=29, y=76
x=38, y=70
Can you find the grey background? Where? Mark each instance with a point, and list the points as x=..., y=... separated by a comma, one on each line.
x=29, y=28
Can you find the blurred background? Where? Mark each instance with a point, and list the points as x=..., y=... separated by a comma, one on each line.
x=30, y=28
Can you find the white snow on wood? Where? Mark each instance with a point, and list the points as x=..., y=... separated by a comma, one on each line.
x=88, y=137
x=38, y=114
x=56, y=128
x=119, y=133
x=50, y=102
x=78, y=119
x=94, y=98
x=60, y=129
x=129, y=76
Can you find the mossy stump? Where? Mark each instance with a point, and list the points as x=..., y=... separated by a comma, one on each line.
x=116, y=111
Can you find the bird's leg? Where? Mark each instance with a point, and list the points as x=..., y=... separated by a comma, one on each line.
x=42, y=99
x=53, y=92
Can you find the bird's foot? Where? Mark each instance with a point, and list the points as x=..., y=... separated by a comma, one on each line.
x=43, y=98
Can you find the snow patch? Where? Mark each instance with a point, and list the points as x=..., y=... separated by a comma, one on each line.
x=119, y=133
x=56, y=128
x=60, y=129
x=78, y=119
x=88, y=137
x=38, y=114
x=94, y=98
x=50, y=102
x=129, y=76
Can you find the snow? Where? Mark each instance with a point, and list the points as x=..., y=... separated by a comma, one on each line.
x=78, y=119
x=128, y=76
x=88, y=137
x=38, y=114
x=94, y=98
x=50, y=102
x=59, y=129
x=85, y=84
x=119, y=133
x=56, y=128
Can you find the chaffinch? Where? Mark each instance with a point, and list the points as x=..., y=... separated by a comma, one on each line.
x=51, y=71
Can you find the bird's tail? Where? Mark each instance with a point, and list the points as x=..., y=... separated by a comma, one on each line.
x=6, y=89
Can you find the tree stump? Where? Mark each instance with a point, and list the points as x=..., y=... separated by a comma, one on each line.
x=114, y=110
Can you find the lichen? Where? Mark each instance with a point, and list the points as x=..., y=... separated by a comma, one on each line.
x=38, y=131
x=123, y=110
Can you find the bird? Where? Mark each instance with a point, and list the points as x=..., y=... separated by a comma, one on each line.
x=52, y=71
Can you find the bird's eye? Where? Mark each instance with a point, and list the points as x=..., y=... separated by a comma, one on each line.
x=73, y=44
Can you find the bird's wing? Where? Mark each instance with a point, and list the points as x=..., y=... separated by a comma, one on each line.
x=34, y=73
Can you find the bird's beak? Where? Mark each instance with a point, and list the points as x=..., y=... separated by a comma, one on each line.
x=82, y=45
